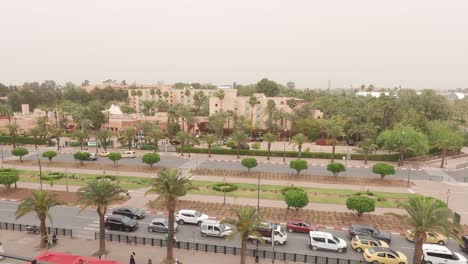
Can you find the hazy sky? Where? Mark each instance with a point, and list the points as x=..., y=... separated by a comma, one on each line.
x=413, y=43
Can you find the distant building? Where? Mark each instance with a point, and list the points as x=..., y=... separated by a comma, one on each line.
x=373, y=94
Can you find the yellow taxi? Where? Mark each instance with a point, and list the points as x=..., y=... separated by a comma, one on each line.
x=359, y=243
x=431, y=237
x=103, y=154
x=379, y=255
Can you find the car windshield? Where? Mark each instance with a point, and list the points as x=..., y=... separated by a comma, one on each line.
x=337, y=240
x=371, y=250
x=165, y=222
x=222, y=227
x=306, y=224
x=125, y=220
x=394, y=253
x=133, y=210
x=197, y=214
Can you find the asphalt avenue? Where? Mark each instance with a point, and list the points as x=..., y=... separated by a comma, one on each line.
x=85, y=223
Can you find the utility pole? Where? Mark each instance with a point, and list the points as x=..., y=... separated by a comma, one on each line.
x=40, y=170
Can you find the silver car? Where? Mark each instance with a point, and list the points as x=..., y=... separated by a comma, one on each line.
x=160, y=225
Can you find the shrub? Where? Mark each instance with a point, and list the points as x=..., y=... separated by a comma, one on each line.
x=150, y=158
x=335, y=168
x=296, y=199
x=19, y=152
x=74, y=144
x=224, y=187
x=383, y=170
x=50, y=154
x=361, y=204
x=284, y=190
x=53, y=176
x=307, y=150
x=22, y=140
x=9, y=177
x=109, y=177
x=147, y=147
x=81, y=156
x=249, y=163
x=298, y=165
x=256, y=145
x=115, y=156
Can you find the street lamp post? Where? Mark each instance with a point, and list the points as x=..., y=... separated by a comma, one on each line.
x=224, y=190
x=284, y=146
x=40, y=170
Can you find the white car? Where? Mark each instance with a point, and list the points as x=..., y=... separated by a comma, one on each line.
x=190, y=216
x=1, y=250
x=433, y=254
x=129, y=154
x=327, y=241
x=215, y=228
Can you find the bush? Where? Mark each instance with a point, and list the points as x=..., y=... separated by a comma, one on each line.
x=296, y=199
x=224, y=187
x=19, y=152
x=256, y=145
x=22, y=140
x=284, y=190
x=336, y=168
x=383, y=170
x=367, y=192
x=9, y=177
x=115, y=156
x=249, y=163
x=298, y=165
x=50, y=154
x=146, y=147
x=74, y=144
x=81, y=156
x=150, y=158
x=52, y=176
x=109, y=177
x=361, y=204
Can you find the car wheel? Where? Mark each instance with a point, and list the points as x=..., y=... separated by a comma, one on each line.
x=108, y=228
x=375, y=262
x=135, y=217
x=150, y=229
x=127, y=229
x=340, y=250
x=276, y=243
x=290, y=230
x=359, y=250
x=314, y=248
x=441, y=243
x=427, y=262
x=181, y=222
x=204, y=234
x=199, y=223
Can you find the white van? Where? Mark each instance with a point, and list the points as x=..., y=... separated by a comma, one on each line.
x=129, y=154
x=440, y=254
x=325, y=240
x=215, y=228
x=266, y=230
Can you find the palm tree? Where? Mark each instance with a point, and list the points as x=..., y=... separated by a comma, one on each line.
x=271, y=111
x=40, y=203
x=368, y=146
x=216, y=123
x=57, y=132
x=35, y=133
x=155, y=134
x=5, y=110
x=334, y=131
x=246, y=223
x=170, y=185
x=269, y=138
x=239, y=137
x=104, y=136
x=81, y=136
x=427, y=214
x=13, y=130
x=252, y=102
x=185, y=113
x=100, y=193
x=183, y=138
x=127, y=135
x=220, y=95
x=298, y=141
x=210, y=139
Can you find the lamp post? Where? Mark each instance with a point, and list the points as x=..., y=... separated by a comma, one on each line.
x=258, y=213
x=284, y=146
x=224, y=190
x=40, y=170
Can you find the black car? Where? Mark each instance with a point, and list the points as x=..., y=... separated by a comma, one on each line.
x=120, y=222
x=368, y=230
x=130, y=212
x=464, y=243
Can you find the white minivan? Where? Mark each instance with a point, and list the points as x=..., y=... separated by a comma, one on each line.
x=325, y=240
x=128, y=154
x=441, y=254
x=215, y=228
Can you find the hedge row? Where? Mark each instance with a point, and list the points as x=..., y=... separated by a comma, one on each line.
x=317, y=155
x=22, y=140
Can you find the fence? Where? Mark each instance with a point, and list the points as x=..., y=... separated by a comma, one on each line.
x=266, y=254
x=461, y=166
x=21, y=228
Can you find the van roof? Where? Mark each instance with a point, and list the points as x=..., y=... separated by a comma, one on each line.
x=211, y=222
x=436, y=248
x=320, y=234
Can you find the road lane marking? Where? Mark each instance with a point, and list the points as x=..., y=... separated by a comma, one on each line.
x=8, y=210
x=91, y=228
x=86, y=217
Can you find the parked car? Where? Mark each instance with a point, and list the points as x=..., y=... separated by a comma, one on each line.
x=359, y=243
x=130, y=212
x=271, y=232
x=174, y=141
x=368, y=230
x=1, y=250
x=160, y=224
x=191, y=217
x=120, y=222
x=440, y=254
x=431, y=237
x=384, y=256
x=464, y=243
x=300, y=226
x=93, y=156
x=104, y=154
x=327, y=241
x=215, y=228
x=129, y=154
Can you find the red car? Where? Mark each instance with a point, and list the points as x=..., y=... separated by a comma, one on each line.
x=300, y=226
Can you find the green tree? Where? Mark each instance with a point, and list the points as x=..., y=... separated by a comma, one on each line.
x=271, y=112
x=239, y=138
x=81, y=136
x=367, y=146
x=336, y=168
x=36, y=132
x=183, y=138
x=298, y=165
x=150, y=158
x=252, y=102
x=269, y=138
x=298, y=141
x=170, y=185
x=155, y=134
x=426, y=214
x=246, y=222
x=405, y=140
x=361, y=204
x=13, y=130
x=40, y=203
x=7, y=178
x=445, y=137
x=5, y=110
x=19, y=152
x=57, y=132
x=296, y=199
x=81, y=156
x=220, y=95
x=100, y=194
x=210, y=139
x=216, y=123
x=50, y=154
x=104, y=136
x=334, y=130
x=127, y=135
x=115, y=157
x=249, y=163
x=383, y=169
x=268, y=87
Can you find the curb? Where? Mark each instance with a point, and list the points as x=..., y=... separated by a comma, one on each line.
x=9, y=200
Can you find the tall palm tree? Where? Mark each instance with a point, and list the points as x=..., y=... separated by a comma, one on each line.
x=252, y=102
x=35, y=133
x=5, y=110
x=427, y=214
x=298, y=141
x=40, y=204
x=185, y=113
x=334, y=131
x=127, y=135
x=155, y=134
x=239, y=137
x=170, y=185
x=271, y=111
x=81, y=136
x=183, y=138
x=57, y=132
x=368, y=146
x=220, y=95
x=100, y=193
x=104, y=136
x=246, y=223
x=210, y=139
x=13, y=130
x=216, y=123
x=269, y=138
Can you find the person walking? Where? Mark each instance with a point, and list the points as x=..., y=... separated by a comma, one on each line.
x=132, y=258
x=149, y=261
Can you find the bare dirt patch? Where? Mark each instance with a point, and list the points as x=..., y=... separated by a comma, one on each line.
x=360, y=181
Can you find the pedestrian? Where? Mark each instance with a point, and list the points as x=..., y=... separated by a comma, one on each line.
x=132, y=258
x=149, y=261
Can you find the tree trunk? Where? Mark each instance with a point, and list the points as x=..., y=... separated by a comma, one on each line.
x=209, y=150
x=130, y=144
x=102, y=232
x=269, y=146
x=444, y=155
x=81, y=144
x=58, y=143
x=170, y=234
x=244, y=248
x=35, y=142
x=238, y=148
x=333, y=151
x=182, y=150
x=400, y=161
x=366, y=156
x=418, y=242
x=251, y=123
x=42, y=231
x=300, y=148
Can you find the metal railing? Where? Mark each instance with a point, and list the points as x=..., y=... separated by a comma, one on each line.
x=23, y=228
x=461, y=166
x=266, y=254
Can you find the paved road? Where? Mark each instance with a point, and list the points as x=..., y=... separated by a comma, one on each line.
x=84, y=223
